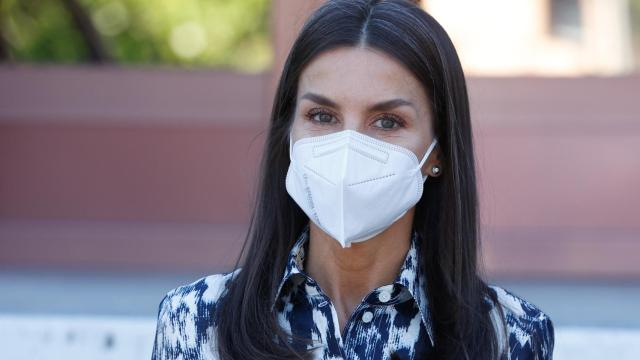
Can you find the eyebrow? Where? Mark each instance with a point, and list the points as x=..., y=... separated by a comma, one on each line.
x=381, y=106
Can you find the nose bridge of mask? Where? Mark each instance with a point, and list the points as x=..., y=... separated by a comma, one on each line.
x=434, y=142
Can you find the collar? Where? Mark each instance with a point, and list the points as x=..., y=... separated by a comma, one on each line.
x=409, y=283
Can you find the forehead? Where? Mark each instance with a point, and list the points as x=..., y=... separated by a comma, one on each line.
x=360, y=74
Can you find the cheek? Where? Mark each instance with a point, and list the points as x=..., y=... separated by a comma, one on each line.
x=422, y=137
x=417, y=140
x=301, y=128
x=296, y=129
x=416, y=143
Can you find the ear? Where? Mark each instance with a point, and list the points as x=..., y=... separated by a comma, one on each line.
x=433, y=163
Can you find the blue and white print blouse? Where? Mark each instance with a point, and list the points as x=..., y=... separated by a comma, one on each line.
x=392, y=322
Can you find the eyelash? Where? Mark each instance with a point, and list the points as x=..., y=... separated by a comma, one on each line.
x=318, y=111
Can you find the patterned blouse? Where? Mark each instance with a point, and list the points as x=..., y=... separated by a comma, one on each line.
x=392, y=322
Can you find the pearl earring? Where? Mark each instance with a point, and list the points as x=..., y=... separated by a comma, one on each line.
x=435, y=169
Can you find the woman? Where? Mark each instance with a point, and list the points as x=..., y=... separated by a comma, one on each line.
x=363, y=242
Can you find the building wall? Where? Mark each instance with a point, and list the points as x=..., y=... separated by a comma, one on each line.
x=146, y=168
x=506, y=38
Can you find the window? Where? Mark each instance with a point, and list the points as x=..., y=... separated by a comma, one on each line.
x=566, y=19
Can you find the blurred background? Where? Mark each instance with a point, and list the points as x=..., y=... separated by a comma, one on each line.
x=131, y=130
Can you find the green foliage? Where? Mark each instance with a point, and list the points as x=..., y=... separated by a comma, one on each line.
x=222, y=33
x=635, y=15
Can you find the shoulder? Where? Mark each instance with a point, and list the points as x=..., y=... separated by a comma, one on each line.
x=185, y=320
x=529, y=330
x=196, y=298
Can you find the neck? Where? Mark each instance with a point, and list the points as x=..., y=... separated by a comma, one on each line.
x=346, y=275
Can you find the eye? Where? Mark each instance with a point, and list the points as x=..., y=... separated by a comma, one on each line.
x=389, y=122
x=320, y=116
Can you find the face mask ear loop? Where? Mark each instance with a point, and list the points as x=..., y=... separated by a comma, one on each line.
x=290, y=148
x=426, y=156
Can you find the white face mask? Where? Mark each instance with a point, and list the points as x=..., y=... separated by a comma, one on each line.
x=354, y=186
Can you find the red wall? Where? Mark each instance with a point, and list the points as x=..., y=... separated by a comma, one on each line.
x=151, y=169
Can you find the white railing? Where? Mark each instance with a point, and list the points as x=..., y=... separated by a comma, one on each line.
x=30, y=337
x=34, y=337
x=596, y=343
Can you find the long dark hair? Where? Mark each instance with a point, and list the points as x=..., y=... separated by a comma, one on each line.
x=446, y=216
